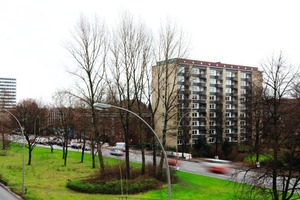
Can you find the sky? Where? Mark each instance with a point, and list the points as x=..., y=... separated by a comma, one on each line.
x=32, y=33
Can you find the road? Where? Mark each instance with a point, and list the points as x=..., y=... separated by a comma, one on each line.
x=5, y=194
x=194, y=167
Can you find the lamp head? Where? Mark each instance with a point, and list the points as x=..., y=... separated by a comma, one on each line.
x=101, y=106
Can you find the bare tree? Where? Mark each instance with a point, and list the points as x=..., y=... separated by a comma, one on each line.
x=279, y=175
x=89, y=50
x=29, y=112
x=171, y=43
x=65, y=123
x=254, y=105
x=130, y=48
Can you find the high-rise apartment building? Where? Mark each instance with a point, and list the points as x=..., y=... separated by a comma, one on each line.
x=8, y=88
x=202, y=99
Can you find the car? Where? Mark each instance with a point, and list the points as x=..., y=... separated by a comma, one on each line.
x=76, y=145
x=119, y=146
x=116, y=152
x=87, y=148
x=218, y=169
x=174, y=163
x=217, y=165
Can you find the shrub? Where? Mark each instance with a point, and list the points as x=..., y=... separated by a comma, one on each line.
x=113, y=179
x=135, y=186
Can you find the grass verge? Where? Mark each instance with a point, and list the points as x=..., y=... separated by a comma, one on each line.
x=46, y=178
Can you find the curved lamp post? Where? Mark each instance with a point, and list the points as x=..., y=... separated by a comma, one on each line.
x=23, y=151
x=101, y=106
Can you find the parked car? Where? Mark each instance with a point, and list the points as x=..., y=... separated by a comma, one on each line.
x=87, y=148
x=119, y=146
x=76, y=145
x=116, y=152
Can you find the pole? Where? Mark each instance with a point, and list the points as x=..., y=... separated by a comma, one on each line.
x=23, y=148
x=105, y=106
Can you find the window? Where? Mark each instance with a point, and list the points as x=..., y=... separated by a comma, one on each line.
x=180, y=105
x=228, y=122
x=213, y=81
x=195, y=132
x=212, y=114
x=212, y=131
x=228, y=130
x=243, y=75
x=212, y=97
x=179, y=142
x=243, y=107
x=195, y=123
x=180, y=87
x=180, y=132
x=180, y=96
x=228, y=106
x=194, y=141
x=243, y=83
x=228, y=82
x=243, y=122
x=212, y=123
x=242, y=114
x=196, y=88
x=180, y=69
x=195, y=96
x=243, y=91
x=243, y=99
x=195, y=114
x=195, y=105
x=228, y=90
x=180, y=78
x=211, y=140
x=213, y=89
x=212, y=106
x=228, y=98
x=228, y=114
x=212, y=72
x=195, y=71
x=228, y=74
x=196, y=80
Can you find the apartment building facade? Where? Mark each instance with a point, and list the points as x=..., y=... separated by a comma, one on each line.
x=8, y=92
x=206, y=100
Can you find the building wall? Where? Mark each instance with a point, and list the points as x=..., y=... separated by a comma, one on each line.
x=8, y=92
x=213, y=94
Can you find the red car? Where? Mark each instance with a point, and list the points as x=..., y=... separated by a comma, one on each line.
x=218, y=169
x=173, y=162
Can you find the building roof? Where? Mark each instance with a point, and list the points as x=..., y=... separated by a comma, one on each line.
x=207, y=63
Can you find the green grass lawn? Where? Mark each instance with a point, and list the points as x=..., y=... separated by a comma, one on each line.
x=46, y=178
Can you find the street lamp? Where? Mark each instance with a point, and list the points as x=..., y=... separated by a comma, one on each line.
x=100, y=106
x=23, y=151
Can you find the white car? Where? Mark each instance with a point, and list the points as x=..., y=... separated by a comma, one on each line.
x=116, y=152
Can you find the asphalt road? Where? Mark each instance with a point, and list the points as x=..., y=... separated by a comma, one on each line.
x=6, y=194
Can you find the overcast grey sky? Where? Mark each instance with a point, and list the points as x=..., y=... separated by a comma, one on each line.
x=230, y=31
